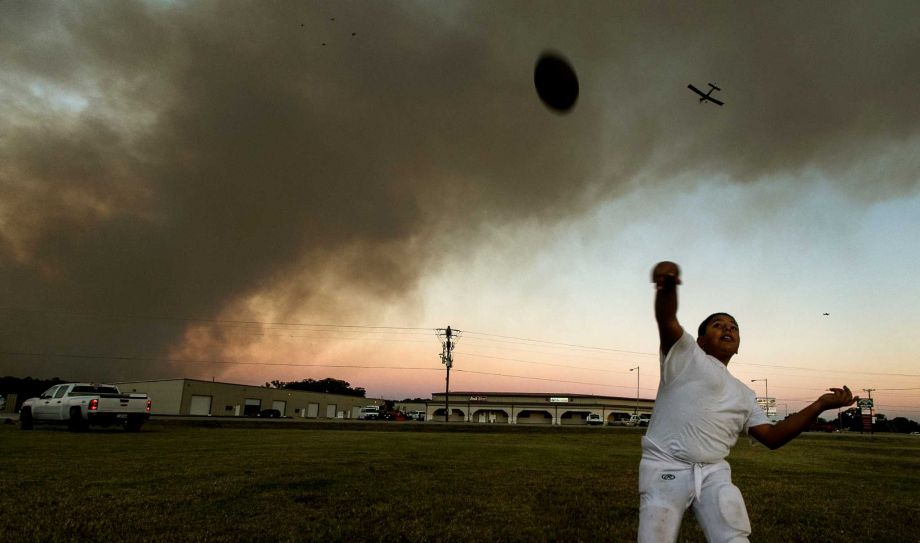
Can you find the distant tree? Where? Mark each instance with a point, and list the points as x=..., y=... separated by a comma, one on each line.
x=26, y=388
x=851, y=419
x=881, y=423
x=327, y=386
x=903, y=425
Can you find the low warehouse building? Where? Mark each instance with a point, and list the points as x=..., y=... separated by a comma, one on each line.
x=209, y=398
x=536, y=408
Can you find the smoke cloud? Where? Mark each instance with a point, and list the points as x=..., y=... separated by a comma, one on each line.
x=277, y=161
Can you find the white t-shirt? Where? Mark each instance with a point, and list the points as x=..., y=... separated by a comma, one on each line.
x=700, y=409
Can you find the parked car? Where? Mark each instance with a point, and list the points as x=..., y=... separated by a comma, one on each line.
x=594, y=419
x=631, y=421
x=270, y=413
x=416, y=415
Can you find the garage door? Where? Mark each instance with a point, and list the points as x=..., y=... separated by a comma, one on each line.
x=279, y=405
x=252, y=408
x=330, y=411
x=201, y=405
x=312, y=410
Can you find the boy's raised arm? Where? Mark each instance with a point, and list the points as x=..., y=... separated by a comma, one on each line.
x=666, y=277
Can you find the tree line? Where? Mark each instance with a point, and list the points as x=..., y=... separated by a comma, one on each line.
x=851, y=420
x=25, y=388
x=326, y=386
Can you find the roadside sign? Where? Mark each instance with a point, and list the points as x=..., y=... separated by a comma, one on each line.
x=865, y=403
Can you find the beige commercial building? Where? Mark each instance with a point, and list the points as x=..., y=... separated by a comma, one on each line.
x=535, y=408
x=190, y=397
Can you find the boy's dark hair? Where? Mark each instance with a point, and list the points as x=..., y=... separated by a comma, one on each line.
x=707, y=320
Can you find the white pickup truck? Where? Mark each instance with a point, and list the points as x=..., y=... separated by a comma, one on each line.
x=82, y=404
x=369, y=412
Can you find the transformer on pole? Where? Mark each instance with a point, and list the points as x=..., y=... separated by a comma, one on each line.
x=448, y=339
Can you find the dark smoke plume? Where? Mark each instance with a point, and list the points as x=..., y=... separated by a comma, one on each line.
x=162, y=162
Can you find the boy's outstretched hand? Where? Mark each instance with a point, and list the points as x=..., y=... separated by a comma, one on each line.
x=666, y=274
x=837, y=397
x=777, y=435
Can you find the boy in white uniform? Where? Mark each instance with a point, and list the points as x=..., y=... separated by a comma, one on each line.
x=700, y=411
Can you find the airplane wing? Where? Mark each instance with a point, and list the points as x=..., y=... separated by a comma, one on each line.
x=714, y=101
x=696, y=90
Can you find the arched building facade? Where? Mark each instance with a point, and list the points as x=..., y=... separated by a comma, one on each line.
x=535, y=408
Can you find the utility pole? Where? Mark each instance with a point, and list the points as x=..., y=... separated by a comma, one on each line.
x=448, y=339
x=636, y=412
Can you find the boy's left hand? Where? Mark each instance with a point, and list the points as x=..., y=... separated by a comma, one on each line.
x=837, y=397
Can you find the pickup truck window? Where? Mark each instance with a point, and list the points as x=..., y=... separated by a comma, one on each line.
x=60, y=392
x=84, y=390
x=49, y=393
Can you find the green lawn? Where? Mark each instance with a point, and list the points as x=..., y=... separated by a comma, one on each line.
x=367, y=482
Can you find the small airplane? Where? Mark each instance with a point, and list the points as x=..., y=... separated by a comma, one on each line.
x=827, y=314
x=706, y=97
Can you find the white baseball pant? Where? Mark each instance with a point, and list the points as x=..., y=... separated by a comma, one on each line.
x=668, y=486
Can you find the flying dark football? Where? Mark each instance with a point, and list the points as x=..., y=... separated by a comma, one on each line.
x=556, y=82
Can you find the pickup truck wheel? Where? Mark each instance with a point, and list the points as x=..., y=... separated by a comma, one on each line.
x=76, y=422
x=25, y=419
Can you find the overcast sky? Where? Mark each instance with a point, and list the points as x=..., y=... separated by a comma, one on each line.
x=190, y=189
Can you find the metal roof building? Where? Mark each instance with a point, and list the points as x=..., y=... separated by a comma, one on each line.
x=209, y=398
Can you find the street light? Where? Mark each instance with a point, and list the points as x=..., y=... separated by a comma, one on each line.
x=765, y=385
x=636, y=412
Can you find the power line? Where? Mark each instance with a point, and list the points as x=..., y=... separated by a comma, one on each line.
x=825, y=370
x=477, y=355
x=343, y=328
x=211, y=321
x=194, y=361
x=570, y=345
x=888, y=389
x=541, y=379
x=337, y=338
x=405, y=330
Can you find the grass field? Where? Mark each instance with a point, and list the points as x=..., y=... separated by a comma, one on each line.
x=423, y=482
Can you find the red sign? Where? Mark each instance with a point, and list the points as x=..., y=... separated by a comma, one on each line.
x=867, y=422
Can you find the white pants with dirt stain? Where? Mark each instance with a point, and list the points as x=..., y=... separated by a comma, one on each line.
x=667, y=487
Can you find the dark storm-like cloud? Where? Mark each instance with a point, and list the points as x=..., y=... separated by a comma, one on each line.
x=179, y=159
